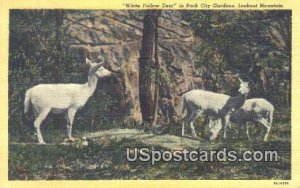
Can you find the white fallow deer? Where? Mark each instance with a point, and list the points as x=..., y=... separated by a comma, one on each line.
x=62, y=98
x=256, y=110
x=197, y=103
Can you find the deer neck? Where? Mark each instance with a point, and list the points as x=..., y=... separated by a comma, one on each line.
x=240, y=100
x=243, y=96
x=91, y=85
x=233, y=104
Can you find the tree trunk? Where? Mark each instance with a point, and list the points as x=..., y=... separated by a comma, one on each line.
x=58, y=15
x=157, y=67
x=56, y=64
x=146, y=62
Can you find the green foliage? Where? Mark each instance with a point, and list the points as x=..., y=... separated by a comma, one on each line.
x=159, y=75
x=95, y=114
x=274, y=62
x=239, y=41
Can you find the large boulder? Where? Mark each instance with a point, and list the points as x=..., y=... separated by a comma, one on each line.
x=115, y=37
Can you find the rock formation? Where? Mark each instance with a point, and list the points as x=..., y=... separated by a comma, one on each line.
x=115, y=37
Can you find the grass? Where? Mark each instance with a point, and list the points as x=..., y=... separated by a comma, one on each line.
x=105, y=158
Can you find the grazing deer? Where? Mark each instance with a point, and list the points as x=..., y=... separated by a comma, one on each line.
x=200, y=102
x=254, y=110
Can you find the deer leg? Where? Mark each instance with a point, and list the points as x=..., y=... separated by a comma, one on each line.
x=182, y=130
x=193, y=129
x=36, y=114
x=37, y=124
x=70, y=119
x=239, y=130
x=183, y=125
x=229, y=125
x=184, y=120
x=191, y=123
x=167, y=117
x=268, y=125
x=225, y=122
x=194, y=116
x=247, y=131
x=265, y=123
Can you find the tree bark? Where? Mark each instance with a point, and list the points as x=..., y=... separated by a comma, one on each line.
x=157, y=67
x=58, y=15
x=146, y=63
x=56, y=64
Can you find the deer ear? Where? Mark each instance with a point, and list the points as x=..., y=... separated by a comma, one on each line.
x=240, y=80
x=88, y=61
x=97, y=65
x=100, y=63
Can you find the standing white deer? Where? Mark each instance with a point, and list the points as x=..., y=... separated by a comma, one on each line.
x=254, y=110
x=62, y=98
x=200, y=102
